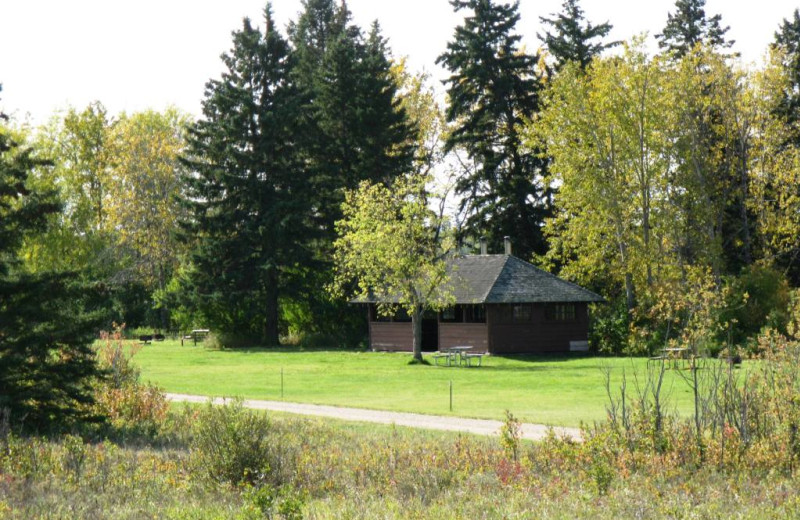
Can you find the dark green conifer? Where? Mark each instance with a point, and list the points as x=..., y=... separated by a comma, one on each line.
x=787, y=40
x=493, y=87
x=689, y=26
x=355, y=128
x=248, y=196
x=571, y=39
x=46, y=360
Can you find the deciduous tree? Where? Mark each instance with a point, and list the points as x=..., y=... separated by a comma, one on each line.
x=391, y=246
x=607, y=133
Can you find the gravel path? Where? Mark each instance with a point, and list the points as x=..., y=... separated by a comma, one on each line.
x=413, y=420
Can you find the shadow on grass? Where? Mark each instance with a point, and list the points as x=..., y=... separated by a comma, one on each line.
x=283, y=349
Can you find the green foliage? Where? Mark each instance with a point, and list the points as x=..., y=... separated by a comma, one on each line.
x=607, y=134
x=689, y=27
x=46, y=361
x=492, y=89
x=571, y=39
x=787, y=41
x=758, y=298
x=141, y=212
x=355, y=127
x=249, y=210
x=609, y=331
x=282, y=503
x=392, y=246
x=77, y=146
x=231, y=444
x=131, y=407
x=510, y=433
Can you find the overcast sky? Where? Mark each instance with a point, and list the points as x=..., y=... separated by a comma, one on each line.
x=133, y=55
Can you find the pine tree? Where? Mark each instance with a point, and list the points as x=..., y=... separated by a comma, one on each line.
x=689, y=26
x=492, y=89
x=787, y=41
x=46, y=360
x=248, y=197
x=571, y=39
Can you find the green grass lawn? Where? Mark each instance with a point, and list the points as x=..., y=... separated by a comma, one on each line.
x=559, y=391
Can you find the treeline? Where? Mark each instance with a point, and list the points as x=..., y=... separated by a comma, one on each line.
x=667, y=183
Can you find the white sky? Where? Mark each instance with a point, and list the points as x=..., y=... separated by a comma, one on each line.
x=133, y=55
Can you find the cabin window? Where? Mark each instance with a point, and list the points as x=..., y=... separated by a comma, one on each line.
x=452, y=314
x=401, y=315
x=521, y=313
x=560, y=312
x=474, y=314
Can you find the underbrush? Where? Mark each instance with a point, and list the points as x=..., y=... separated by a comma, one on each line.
x=736, y=456
x=307, y=468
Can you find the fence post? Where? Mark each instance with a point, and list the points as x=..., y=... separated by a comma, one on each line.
x=451, y=395
x=281, y=382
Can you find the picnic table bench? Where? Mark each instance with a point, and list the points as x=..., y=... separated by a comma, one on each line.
x=147, y=338
x=196, y=335
x=458, y=356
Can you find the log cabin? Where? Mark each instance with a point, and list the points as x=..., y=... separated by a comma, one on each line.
x=503, y=305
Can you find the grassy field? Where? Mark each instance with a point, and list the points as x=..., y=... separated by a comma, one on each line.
x=558, y=391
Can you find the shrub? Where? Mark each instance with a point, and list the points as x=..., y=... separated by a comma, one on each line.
x=510, y=434
x=610, y=328
x=231, y=444
x=758, y=298
x=269, y=502
x=129, y=405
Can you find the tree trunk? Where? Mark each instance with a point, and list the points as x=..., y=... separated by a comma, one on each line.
x=630, y=294
x=270, y=333
x=416, y=324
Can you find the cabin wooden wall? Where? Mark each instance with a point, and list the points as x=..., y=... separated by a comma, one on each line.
x=461, y=334
x=537, y=335
x=394, y=336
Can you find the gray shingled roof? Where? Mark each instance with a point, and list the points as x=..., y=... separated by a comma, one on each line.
x=507, y=279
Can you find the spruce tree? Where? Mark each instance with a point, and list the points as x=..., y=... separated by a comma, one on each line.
x=248, y=196
x=492, y=89
x=571, y=39
x=46, y=361
x=787, y=41
x=355, y=128
x=689, y=26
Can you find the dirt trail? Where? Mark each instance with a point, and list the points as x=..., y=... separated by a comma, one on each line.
x=413, y=420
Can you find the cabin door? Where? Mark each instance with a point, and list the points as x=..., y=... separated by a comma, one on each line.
x=430, y=331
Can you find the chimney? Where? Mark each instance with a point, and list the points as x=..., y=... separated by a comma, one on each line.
x=507, y=244
x=483, y=245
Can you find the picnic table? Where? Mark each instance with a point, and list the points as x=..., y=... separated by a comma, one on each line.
x=196, y=335
x=457, y=356
x=675, y=356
